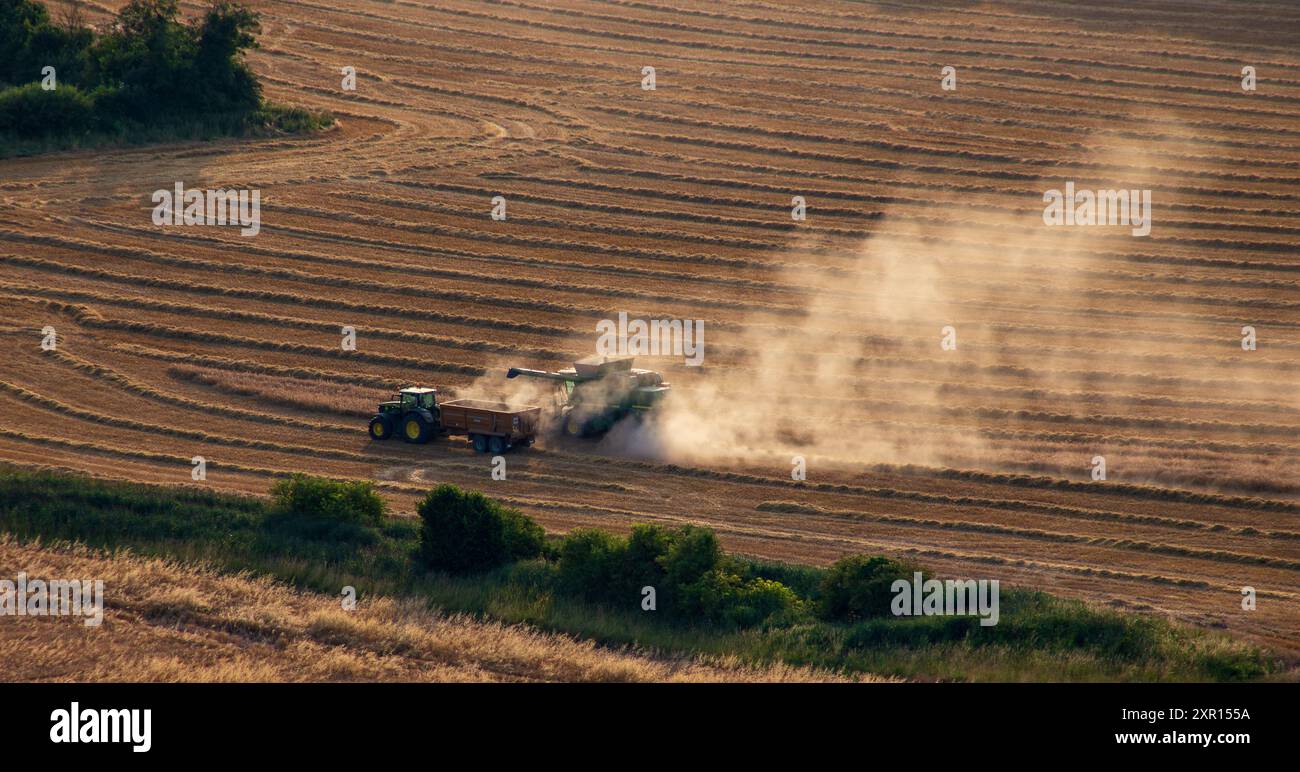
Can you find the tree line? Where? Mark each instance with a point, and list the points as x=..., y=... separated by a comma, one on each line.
x=146, y=68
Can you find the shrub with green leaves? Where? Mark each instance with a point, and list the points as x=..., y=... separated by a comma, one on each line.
x=692, y=553
x=599, y=566
x=692, y=579
x=722, y=596
x=466, y=532
x=31, y=111
x=592, y=564
x=347, y=501
x=858, y=587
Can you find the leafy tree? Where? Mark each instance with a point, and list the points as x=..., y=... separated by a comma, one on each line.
x=145, y=61
x=859, y=587
x=228, y=83
x=466, y=532
x=19, y=19
x=30, y=41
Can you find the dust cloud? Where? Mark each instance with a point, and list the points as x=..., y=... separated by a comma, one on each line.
x=1057, y=360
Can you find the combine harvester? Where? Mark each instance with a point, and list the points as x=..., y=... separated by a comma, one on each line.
x=495, y=427
x=598, y=392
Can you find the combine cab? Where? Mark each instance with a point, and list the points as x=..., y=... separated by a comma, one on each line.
x=598, y=392
x=493, y=427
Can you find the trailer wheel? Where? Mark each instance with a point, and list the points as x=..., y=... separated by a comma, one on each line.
x=497, y=445
x=380, y=428
x=415, y=430
x=480, y=442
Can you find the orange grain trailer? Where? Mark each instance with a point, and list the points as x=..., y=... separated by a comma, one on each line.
x=491, y=426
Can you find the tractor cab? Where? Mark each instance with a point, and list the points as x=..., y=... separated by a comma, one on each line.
x=418, y=399
x=411, y=398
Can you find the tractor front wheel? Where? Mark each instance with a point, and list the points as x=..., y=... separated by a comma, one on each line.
x=415, y=430
x=380, y=428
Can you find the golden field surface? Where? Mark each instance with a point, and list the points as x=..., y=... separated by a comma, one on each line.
x=172, y=623
x=924, y=210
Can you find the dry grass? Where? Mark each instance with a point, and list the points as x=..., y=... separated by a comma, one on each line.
x=172, y=623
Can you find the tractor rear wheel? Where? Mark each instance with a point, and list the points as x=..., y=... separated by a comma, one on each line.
x=497, y=445
x=480, y=442
x=380, y=428
x=415, y=430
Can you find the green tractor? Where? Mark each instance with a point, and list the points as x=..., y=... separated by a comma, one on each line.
x=492, y=427
x=413, y=414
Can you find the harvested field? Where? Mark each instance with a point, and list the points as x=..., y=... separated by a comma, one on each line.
x=924, y=210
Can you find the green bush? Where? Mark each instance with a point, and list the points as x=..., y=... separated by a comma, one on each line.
x=591, y=564
x=647, y=548
x=858, y=587
x=722, y=596
x=466, y=532
x=31, y=111
x=692, y=579
x=599, y=566
x=692, y=553
x=318, y=498
x=760, y=600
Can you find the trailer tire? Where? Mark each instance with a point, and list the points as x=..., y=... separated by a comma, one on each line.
x=415, y=430
x=480, y=442
x=381, y=428
x=497, y=445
